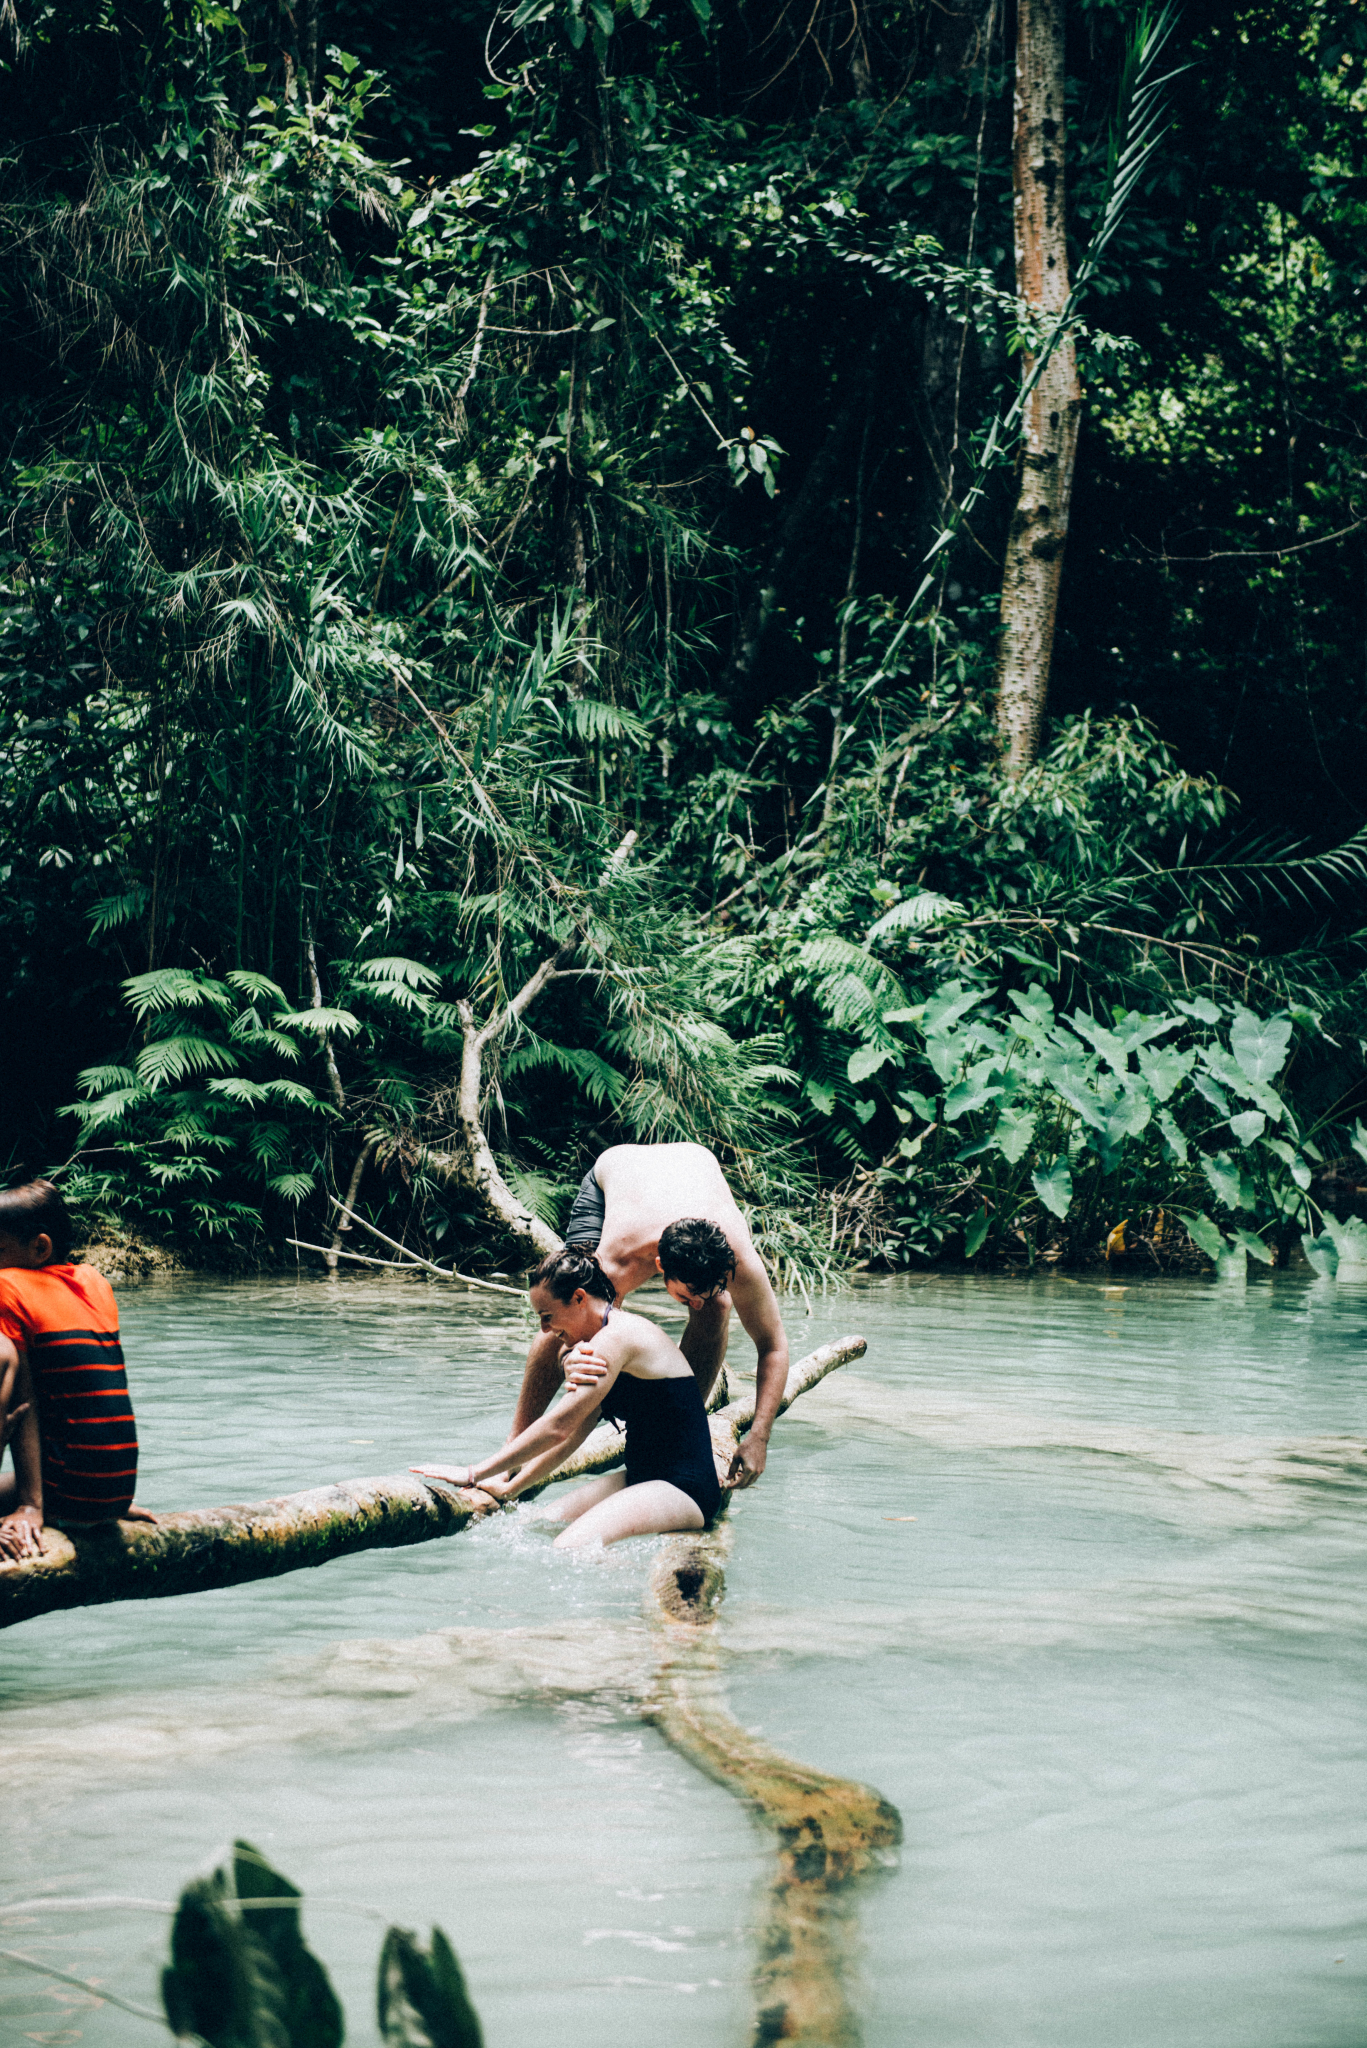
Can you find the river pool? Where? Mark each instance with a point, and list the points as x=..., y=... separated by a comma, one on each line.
x=1076, y=1575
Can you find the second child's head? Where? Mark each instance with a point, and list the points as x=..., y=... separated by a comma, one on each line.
x=35, y=1229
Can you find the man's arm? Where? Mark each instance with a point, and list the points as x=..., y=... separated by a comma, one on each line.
x=19, y=1531
x=757, y=1307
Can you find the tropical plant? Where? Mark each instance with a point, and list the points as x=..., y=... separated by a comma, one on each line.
x=242, y=1976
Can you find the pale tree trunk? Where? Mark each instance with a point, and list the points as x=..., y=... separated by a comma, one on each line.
x=475, y=1166
x=1039, y=528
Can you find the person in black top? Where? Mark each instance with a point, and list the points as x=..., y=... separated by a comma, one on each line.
x=646, y=1384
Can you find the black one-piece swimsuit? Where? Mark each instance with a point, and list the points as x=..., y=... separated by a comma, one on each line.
x=667, y=1436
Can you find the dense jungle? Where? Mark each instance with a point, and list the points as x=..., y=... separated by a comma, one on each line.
x=608, y=570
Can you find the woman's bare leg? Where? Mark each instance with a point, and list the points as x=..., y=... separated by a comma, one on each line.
x=650, y=1509
x=585, y=1497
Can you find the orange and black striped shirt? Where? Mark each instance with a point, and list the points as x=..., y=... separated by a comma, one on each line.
x=67, y=1320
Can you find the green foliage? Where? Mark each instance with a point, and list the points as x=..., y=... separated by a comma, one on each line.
x=242, y=1976
x=460, y=518
x=207, y=1125
x=1019, y=1120
x=423, y=2002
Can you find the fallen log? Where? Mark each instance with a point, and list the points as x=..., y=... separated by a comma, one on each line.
x=203, y=1549
x=827, y=1831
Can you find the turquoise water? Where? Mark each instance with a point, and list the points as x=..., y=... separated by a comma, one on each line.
x=1112, y=1673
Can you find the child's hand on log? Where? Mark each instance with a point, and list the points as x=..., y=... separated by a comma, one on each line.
x=584, y=1367
x=21, y=1535
x=137, y=1514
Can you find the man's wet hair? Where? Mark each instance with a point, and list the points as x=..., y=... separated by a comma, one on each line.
x=698, y=1253
x=37, y=1210
x=575, y=1266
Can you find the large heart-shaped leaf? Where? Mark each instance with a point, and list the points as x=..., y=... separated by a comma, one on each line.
x=1013, y=1136
x=1223, y=1175
x=1164, y=1068
x=867, y=1059
x=1054, y=1186
x=1260, y=1046
x=1203, y=1234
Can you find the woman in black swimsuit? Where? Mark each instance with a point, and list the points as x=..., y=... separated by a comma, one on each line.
x=670, y=1480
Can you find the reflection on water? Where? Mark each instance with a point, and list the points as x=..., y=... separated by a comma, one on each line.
x=1112, y=1674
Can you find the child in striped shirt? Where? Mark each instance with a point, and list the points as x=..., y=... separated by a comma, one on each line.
x=63, y=1390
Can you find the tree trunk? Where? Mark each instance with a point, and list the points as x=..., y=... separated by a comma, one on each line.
x=1039, y=528
x=475, y=1166
x=205, y=1548
x=827, y=1830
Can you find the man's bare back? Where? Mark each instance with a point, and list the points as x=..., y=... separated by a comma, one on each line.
x=645, y=1188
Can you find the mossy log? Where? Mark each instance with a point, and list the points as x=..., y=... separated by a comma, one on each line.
x=828, y=1830
x=202, y=1549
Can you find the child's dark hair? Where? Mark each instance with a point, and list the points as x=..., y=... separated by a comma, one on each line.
x=573, y=1267
x=37, y=1210
x=698, y=1253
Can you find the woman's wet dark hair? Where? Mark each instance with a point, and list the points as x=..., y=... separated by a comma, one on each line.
x=573, y=1267
x=698, y=1253
x=37, y=1210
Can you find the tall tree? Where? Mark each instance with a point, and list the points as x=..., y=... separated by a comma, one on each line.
x=1039, y=525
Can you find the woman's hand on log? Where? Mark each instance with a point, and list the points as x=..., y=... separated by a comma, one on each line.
x=584, y=1367
x=454, y=1475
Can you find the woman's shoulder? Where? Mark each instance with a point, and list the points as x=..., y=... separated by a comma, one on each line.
x=646, y=1351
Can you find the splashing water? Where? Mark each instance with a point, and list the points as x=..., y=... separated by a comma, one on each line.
x=1112, y=1673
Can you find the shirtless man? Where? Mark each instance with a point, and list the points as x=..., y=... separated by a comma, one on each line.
x=633, y=1192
